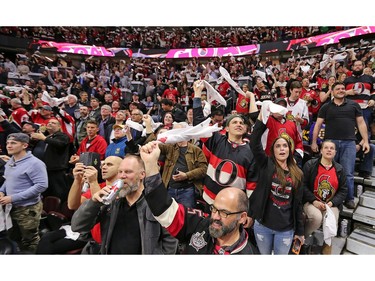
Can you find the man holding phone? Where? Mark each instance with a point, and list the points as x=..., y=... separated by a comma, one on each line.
x=56, y=157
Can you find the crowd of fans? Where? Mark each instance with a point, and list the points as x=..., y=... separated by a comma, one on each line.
x=110, y=107
x=166, y=37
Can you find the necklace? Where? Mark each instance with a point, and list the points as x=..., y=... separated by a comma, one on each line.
x=326, y=166
x=284, y=166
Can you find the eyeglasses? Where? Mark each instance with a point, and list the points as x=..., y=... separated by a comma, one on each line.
x=135, y=114
x=222, y=213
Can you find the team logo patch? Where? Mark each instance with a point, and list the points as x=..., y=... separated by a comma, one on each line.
x=243, y=103
x=197, y=241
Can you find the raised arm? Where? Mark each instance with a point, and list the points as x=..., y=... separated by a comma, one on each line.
x=198, y=115
x=74, y=196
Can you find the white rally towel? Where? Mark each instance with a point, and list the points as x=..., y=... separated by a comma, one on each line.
x=136, y=126
x=305, y=68
x=227, y=77
x=269, y=107
x=329, y=226
x=269, y=70
x=202, y=130
x=311, y=61
x=326, y=59
x=206, y=108
x=5, y=219
x=340, y=57
x=52, y=101
x=70, y=234
x=261, y=74
x=13, y=88
x=212, y=94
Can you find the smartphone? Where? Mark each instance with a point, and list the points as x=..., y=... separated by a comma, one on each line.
x=296, y=248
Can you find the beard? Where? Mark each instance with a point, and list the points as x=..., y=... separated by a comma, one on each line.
x=358, y=72
x=224, y=230
x=128, y=188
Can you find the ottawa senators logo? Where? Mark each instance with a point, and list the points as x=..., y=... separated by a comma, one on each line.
x=284, y=135
x=325, y=189
x=359, y=88
x=289, y=116
x=243, y=103
x=226, y=178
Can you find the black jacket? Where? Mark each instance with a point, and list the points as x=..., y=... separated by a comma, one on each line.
x=108, y=128
x=56, y=155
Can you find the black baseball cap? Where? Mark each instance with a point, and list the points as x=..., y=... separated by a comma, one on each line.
x=35, y=126
x=280, y=101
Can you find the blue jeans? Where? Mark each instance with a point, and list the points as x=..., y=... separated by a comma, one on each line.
x=368, y=160
x=268, y=239
x=367, y=116
x=345, y=155
x=184, y=196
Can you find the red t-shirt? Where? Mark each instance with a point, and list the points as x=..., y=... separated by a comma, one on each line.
x=95, y=231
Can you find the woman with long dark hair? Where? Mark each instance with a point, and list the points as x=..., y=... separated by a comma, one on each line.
x=276, y=203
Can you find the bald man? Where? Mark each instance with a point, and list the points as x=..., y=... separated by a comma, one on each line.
x=222, y=233
x=54, y=242
x=89, y=174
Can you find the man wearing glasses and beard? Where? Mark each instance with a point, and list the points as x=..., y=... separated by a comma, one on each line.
x=221, y=233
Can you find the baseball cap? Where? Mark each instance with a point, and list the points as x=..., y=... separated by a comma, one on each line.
x=47, y=107
x=21, y=137
x=280, y=101
x=115, y=126
x=35, y=126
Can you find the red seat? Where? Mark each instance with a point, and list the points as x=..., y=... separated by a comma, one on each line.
x=66, y=211
x=74, y=252
x=51, y=203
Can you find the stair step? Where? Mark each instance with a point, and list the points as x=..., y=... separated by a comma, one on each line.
x=364, y=214
x=367, y=199
x=361, y=241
